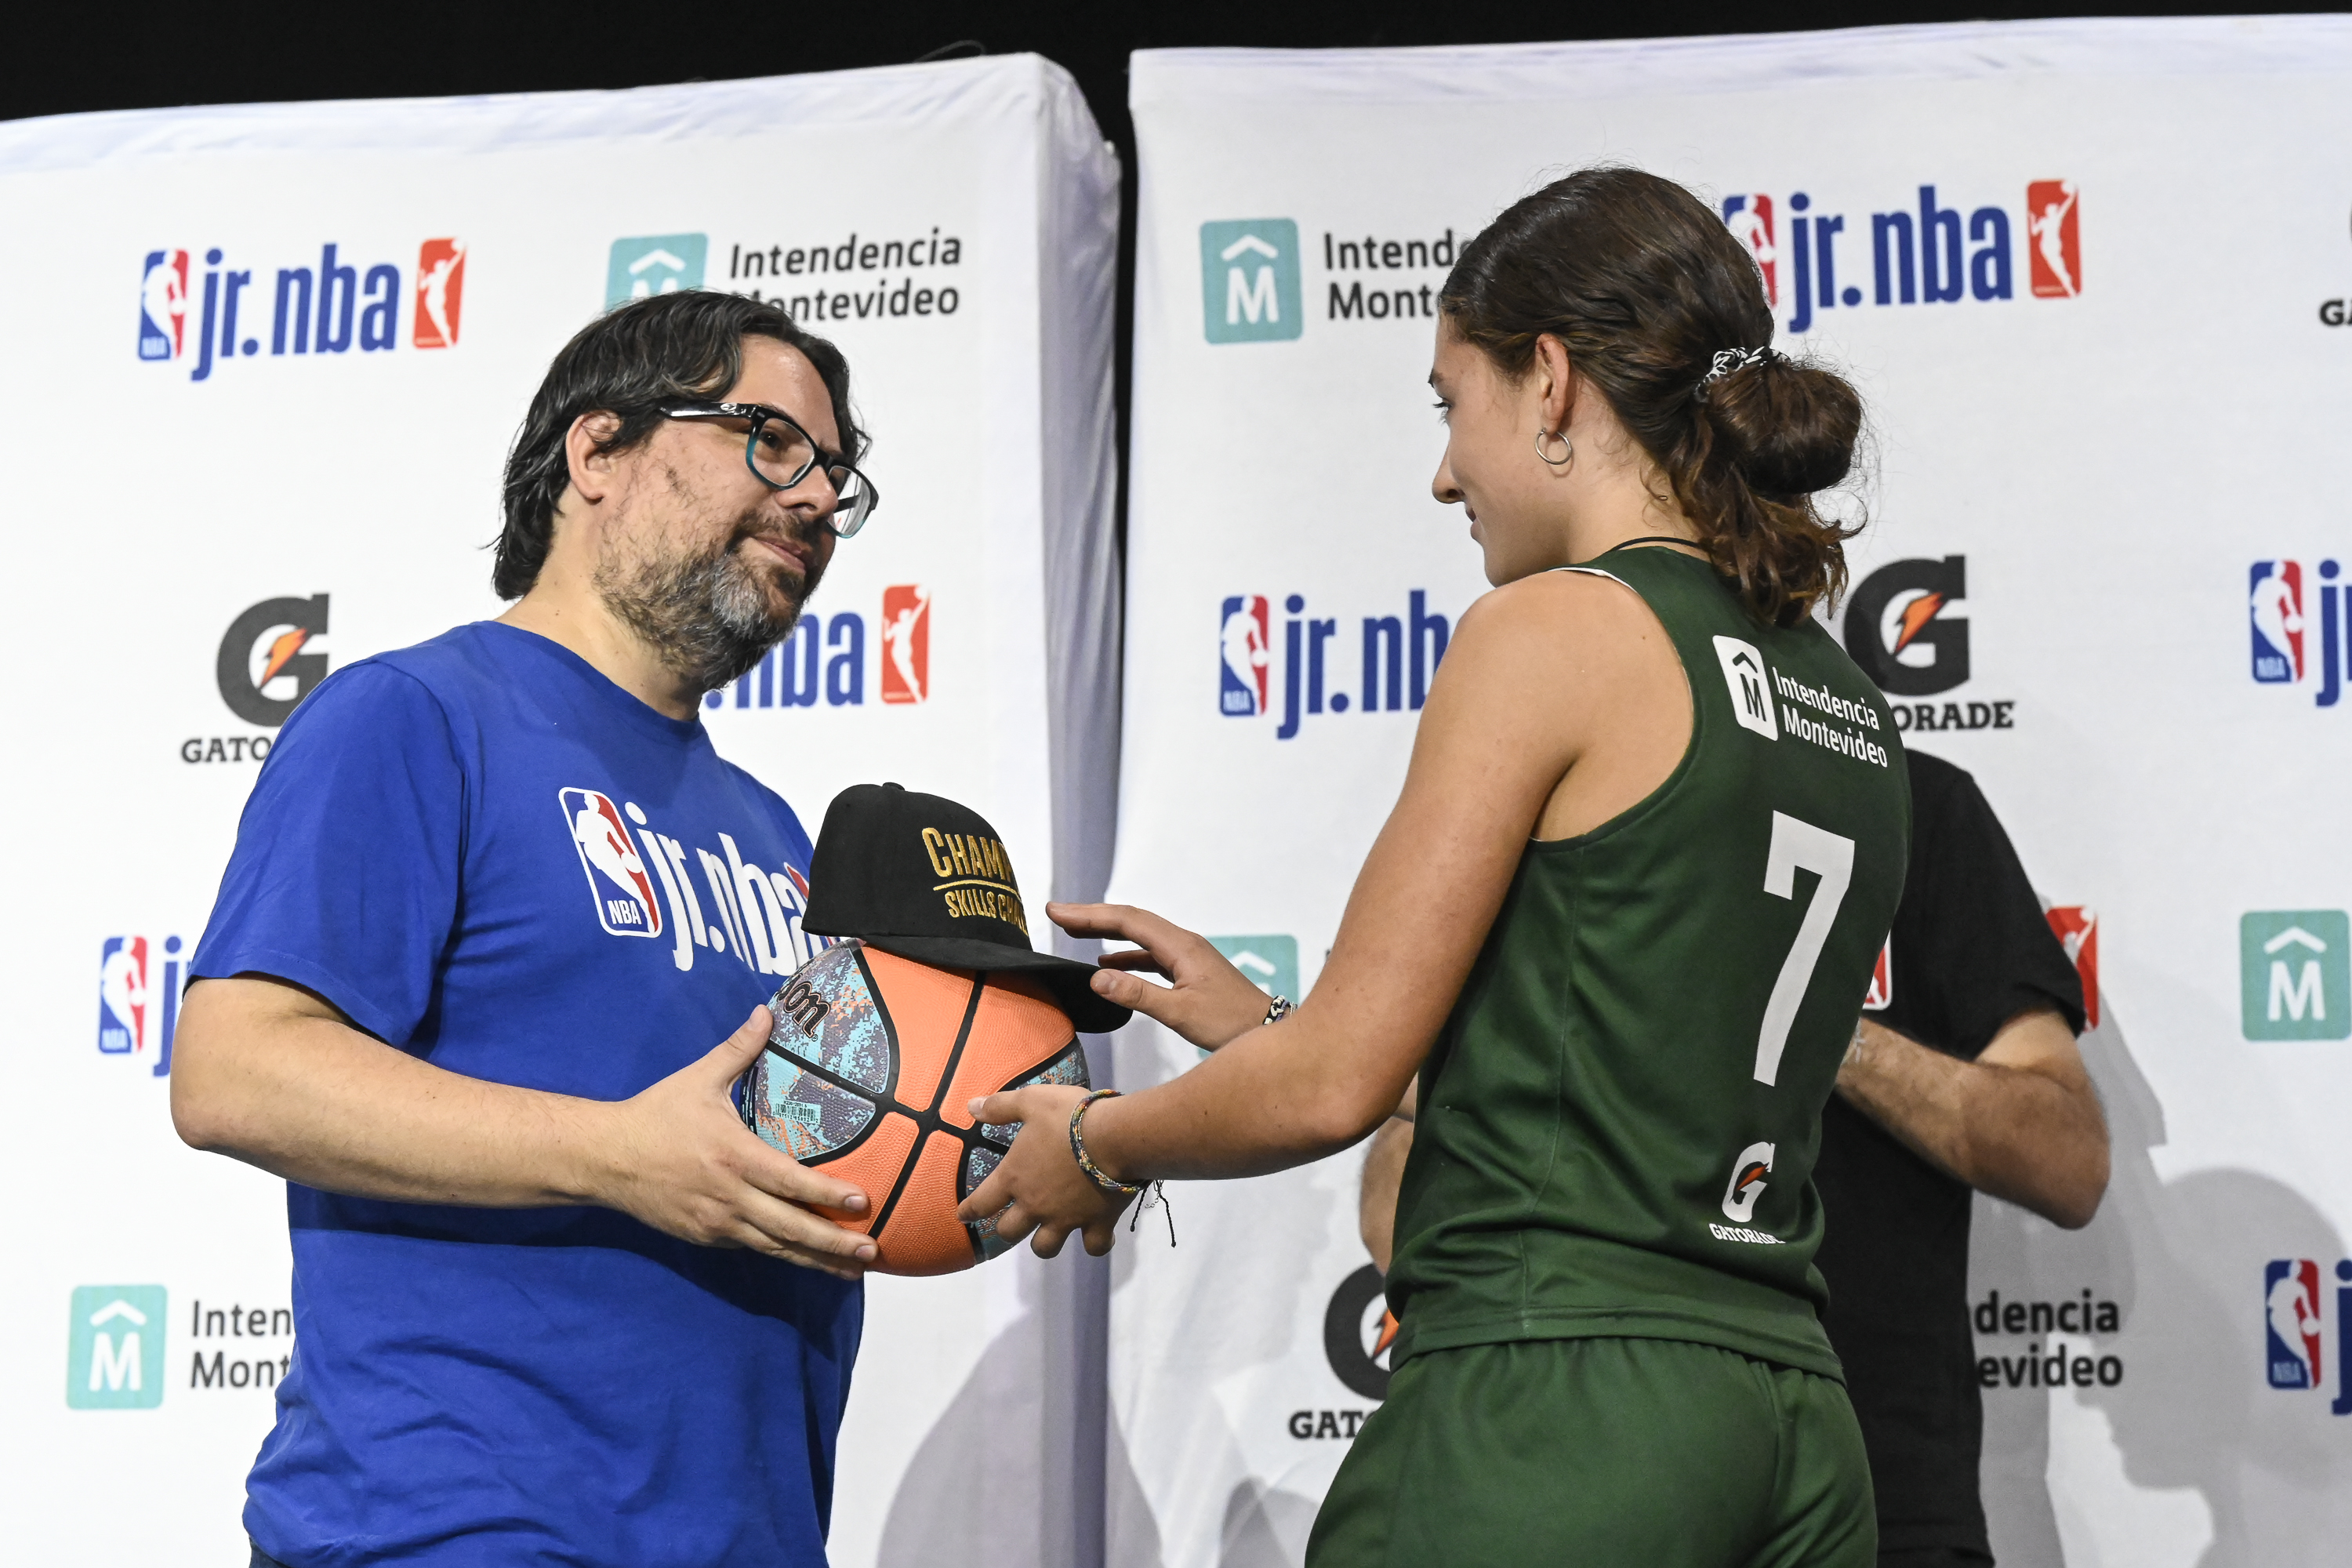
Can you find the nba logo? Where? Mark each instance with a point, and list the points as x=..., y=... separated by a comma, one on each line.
x=2291, y=1310
x=440, y=286
x=2053, y=229
x=122, y=994
x=163, y=304
x=2077, y=931
x=906, y=643
x=1750, y=219
x=1881, y=994
x=2274, y=609
x=617, y=880
x=1243, y=656
x=131, y=1013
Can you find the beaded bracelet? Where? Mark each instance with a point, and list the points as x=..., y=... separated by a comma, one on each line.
x=1078, y=1148
x=1278, y=1012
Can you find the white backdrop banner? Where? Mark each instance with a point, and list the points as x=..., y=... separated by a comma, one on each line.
x=264, y=366
x=2091, y=278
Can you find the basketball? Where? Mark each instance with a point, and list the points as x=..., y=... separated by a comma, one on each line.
x=868, y=1073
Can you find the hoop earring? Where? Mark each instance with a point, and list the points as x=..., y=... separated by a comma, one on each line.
x=1566, y=451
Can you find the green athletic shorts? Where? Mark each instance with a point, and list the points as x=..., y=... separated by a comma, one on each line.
x=1602, y=1453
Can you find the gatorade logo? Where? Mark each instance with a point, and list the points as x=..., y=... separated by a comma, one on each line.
x=1748, y=1183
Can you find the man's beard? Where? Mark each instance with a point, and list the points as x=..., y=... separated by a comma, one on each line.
x=706, y=615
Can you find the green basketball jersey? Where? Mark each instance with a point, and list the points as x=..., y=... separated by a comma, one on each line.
x=1619, y=1119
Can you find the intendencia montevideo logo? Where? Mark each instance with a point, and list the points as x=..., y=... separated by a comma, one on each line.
x=911, y=272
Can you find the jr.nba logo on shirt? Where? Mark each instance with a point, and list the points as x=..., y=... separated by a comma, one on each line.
x=164, y=305
x=617, y=878
x=1244, y=655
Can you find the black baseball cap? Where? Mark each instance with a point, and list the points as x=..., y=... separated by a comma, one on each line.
x=924, y=878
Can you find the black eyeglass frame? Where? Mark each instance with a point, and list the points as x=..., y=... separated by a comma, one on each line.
x=760, y=415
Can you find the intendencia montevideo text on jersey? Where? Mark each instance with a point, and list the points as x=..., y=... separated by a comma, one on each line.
x=1752, y=684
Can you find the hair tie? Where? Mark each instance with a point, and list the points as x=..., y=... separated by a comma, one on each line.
x=1728, y=359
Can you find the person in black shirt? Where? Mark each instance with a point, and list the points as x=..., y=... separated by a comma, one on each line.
x=1967, y=1078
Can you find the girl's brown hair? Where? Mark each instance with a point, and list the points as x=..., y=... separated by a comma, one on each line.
x=1645, y=286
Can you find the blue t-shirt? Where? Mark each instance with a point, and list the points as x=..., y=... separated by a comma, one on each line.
x=490, y=857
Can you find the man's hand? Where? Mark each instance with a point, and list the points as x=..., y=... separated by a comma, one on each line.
x=273, y=1075
x=681, y=1160
x=1207, y=1001
x=2021, y=1121
x=1038, y=1186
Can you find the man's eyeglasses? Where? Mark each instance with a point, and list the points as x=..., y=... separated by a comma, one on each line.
x=781, y=454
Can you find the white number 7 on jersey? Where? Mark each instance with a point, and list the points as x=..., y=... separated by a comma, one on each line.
x=1800, y=846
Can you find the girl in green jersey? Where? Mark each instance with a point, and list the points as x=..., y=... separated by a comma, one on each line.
x=1620, y=924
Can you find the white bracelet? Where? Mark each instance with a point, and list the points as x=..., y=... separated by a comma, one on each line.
x=1276, y=1013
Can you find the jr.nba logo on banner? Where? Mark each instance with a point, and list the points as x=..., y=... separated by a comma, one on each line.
x=617, y=880
x=2291, y=1300
x=1750, y=218
x=1242, y=655
x=2274, y=611
x=440, y=288
x=164, y=305
x=906, y=643
x=2055, y=238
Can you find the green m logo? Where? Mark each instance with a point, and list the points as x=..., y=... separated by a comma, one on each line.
x=114, y=1349
x=1249, y=280
x=2294, y=975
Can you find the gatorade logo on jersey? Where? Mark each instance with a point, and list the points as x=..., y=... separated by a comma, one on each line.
x=1748, y=1183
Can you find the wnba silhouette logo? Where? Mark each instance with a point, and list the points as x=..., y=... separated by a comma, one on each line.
x=2052, y=222
x=906, y=643
x=440, y=286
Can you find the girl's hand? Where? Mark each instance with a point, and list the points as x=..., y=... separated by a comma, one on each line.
x=1038, y=1186
x=1207, y=1001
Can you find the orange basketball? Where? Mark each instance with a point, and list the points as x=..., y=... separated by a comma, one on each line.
x=869, y=1071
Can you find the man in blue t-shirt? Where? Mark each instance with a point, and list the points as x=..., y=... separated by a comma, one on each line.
x=493, y=899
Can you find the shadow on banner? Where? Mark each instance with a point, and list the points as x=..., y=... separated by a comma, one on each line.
x=2166, y=1445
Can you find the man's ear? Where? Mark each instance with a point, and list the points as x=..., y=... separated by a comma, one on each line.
x=592, y=466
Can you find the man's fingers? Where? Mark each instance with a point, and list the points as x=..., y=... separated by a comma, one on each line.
x=1101, y=1236
x=1133, y=958
x=752, y=1239
x=782, y=1225
x=1047, y=1242
x=780, y=1175
x=741, y=1049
